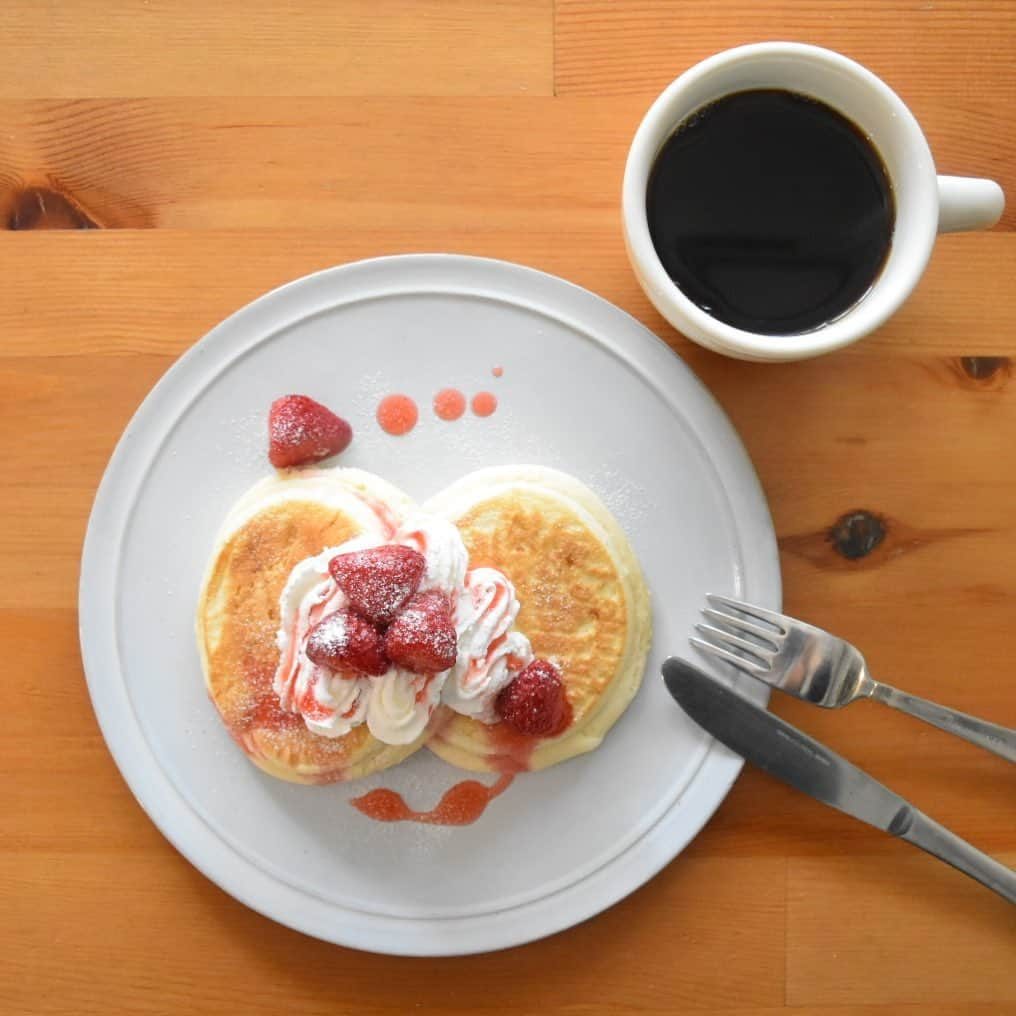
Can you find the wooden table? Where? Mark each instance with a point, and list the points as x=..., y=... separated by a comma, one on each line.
x=162, y=164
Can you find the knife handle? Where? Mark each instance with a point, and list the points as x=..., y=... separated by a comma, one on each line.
x=917, y=828
x=992, y=736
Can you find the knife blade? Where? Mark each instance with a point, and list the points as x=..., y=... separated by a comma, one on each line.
x=789, y=754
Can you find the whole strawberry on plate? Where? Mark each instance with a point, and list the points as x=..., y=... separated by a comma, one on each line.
x=301, y=431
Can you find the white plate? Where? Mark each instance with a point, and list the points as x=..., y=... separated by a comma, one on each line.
x=585, y=388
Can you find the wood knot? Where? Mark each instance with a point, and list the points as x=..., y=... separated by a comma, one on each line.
x=862, y=539
x=986, y=369
x=856, y=534
x=45, y=208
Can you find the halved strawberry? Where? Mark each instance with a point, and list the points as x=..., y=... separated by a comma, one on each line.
x=534, y=701
x=346, y=643
x=422, y=637
x=301, y=430
x=378, y=582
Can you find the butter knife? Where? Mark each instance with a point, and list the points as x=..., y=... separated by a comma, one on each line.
x=790, y=755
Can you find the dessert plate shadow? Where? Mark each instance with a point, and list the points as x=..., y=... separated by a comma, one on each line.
x=586, y=389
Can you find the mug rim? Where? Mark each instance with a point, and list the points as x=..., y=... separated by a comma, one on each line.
x=658, y=123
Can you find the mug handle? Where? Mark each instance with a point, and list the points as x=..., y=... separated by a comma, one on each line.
x=966, y=202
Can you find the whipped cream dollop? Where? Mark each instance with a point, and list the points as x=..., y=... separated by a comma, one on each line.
x=490, y=652
x=395, y=706
x=440, y=543
x=398, y=705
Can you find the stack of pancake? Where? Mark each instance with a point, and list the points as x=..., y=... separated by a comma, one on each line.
x=584, y=607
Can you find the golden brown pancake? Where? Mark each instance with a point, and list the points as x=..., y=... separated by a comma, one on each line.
x=584, y=607
x=277, y=524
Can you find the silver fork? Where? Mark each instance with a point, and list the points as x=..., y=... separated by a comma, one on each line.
x=813, y=665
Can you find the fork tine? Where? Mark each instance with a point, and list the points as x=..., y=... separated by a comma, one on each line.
x=759, y=613
x=726, y=639
x=773, y=638
x=756, y=670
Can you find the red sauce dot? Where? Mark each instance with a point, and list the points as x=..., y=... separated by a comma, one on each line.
x=497, y=371
x=449, y=403
x=397, y=414
x=484, y=403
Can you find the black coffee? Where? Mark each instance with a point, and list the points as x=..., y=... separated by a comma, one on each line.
x=771, y=211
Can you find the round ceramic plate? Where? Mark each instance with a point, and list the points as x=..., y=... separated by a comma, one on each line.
x=585, y=388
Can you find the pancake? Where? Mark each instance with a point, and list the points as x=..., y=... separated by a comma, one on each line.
x=276, y=524
x=584, y=607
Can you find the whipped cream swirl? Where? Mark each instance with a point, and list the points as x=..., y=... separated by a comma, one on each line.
x=395, y=706
x=490, y=653
x=398, y=705
x=440, y=543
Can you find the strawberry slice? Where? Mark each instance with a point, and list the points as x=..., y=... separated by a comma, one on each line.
x=301, y=430
x=347, y=644
x=534, y=701
x=422, y=637
x=378, y=582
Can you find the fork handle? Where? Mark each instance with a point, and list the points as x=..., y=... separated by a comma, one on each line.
x=926, y=833
x=1000, y=740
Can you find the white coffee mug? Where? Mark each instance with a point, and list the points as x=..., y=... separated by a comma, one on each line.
x=926, y=204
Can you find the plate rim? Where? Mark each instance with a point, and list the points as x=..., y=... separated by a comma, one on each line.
x=187, y=830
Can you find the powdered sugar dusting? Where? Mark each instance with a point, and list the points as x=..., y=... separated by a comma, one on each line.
x=397, y=414
x=465, y=448
x=627, y=501
x=415, y=780
x=380, y=580
x=328, y=640
x=370, y=391
x=301, y=430
x=241, y=440
x=353, y=670
x=449, y=404
x=347, y=644
x=422, y=638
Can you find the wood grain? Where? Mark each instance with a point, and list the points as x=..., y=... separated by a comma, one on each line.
x=961, y=307
x=946, y=50
x=950, y=61
x=163, y=164
x=294, y=973
x=367, y=163
x=925, y=910
x=76, y=48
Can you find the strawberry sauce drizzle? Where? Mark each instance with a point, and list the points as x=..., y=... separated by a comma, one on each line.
x=266, y=714
x=460, y=805
x=389, y=520
x=511, y=750
x=263, y=714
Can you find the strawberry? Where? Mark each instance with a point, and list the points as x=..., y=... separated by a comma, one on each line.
x=378, y=582
x=347, y=644
x=422, y=637
x=301, y=430
x=534, y=701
